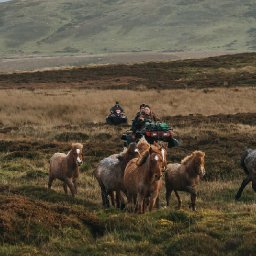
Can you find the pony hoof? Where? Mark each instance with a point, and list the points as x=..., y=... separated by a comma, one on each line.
x=192, y=206
x=122, y=207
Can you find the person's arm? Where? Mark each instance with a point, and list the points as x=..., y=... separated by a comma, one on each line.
x=137, y=122
x=155, y=118
x=122, y=110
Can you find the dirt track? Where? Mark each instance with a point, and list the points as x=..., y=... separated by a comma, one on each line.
x=30, y=63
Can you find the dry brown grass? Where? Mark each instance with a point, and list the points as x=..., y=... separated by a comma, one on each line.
x=55, y=107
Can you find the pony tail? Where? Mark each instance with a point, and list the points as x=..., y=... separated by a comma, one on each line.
x=143, y=158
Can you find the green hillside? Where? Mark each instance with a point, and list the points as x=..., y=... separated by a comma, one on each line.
x=107, y=26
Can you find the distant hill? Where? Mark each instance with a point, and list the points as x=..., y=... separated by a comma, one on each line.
x=110, y=26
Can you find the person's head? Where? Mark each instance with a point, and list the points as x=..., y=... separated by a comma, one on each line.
x=142, y=108
x=147, y=110
x=117, y=103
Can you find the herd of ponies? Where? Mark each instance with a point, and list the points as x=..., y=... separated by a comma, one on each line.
x=133, y=179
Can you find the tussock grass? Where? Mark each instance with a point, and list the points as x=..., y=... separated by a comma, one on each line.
x=22, y=107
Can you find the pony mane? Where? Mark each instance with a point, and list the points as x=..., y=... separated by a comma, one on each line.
x=142, y=160
x=77, y=146
x=190, y=157
x=143, y=145
x=122, y=154
x=142, y=141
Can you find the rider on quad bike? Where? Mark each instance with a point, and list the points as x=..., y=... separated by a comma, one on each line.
x=144, y=115
x=116, y=115
x=147, y=124
x=116, y=107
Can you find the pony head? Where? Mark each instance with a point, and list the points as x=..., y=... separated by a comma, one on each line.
x=162, y=150
x=195, y=162
x=156, y=166
x=77, y=153
x=199, y=163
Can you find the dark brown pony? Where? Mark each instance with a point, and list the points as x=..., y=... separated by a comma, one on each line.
x=142, y=179
x=185, y=176
x=248, y=163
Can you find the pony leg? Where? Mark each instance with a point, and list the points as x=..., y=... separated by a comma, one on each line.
x=104, y=196
x=168, y=196
x=145, y=204
x=118, y=199
x=179, y=200
x=129, y=202
x=105, y=199
x=50, y=182
x=122, y=200
x=192, y=192
x=112, y=198
x=75, y=184
x=193, y=201
x=134, y=199
x=158, y=202
x=71, y=186
x=243, y=185
x=152, y=202
x=65, y=188
x=139, y=204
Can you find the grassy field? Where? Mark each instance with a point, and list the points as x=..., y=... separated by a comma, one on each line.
x=41, y=119
x=75, y=106
x=62, y=27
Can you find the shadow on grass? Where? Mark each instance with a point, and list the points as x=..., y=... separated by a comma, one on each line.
x=227, y=195
x=40, y=193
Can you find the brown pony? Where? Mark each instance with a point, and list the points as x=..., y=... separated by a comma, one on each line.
x=144, y=146
x=185, y=176
x=141, y=179
x=66, y=168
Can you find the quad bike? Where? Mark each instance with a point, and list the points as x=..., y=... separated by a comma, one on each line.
x=116, y=118
x=152, y=131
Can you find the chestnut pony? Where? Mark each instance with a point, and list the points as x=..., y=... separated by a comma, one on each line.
x=142, y=177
